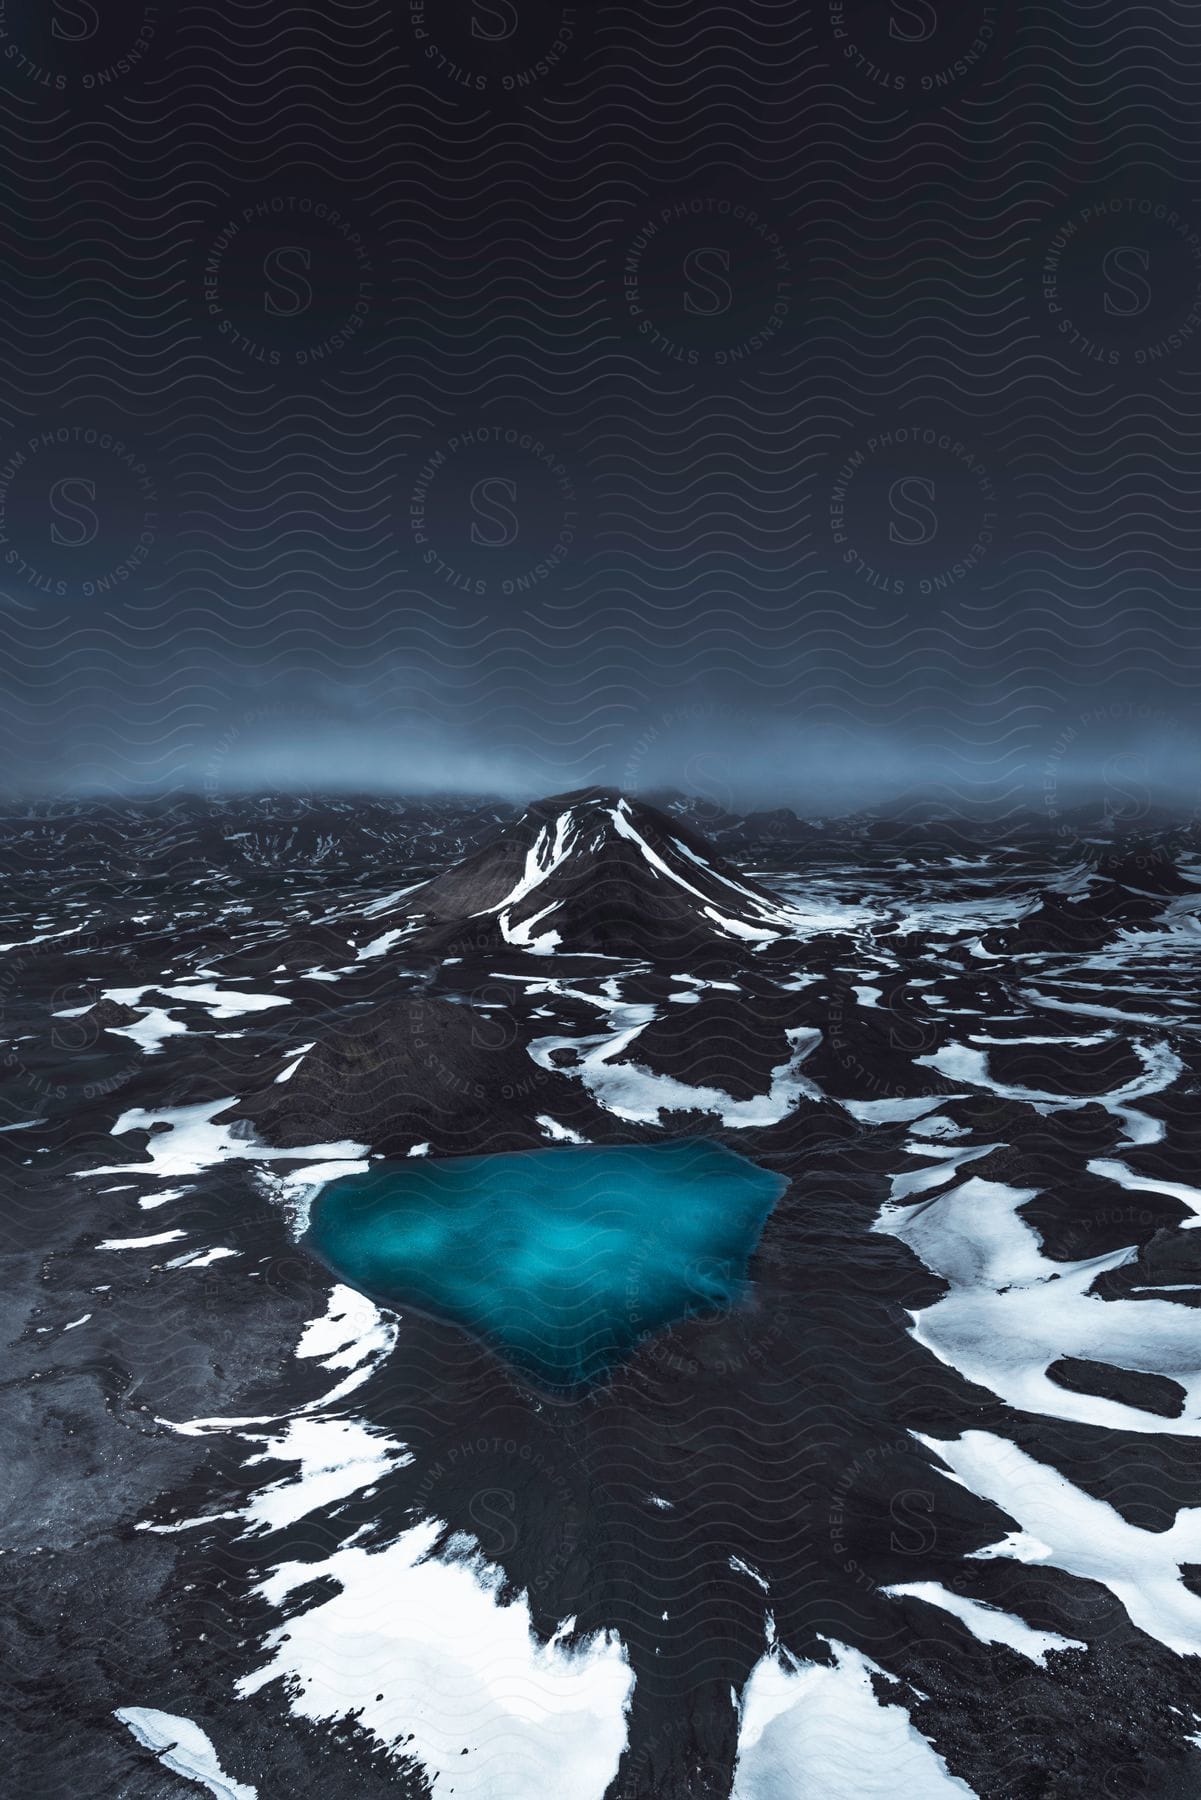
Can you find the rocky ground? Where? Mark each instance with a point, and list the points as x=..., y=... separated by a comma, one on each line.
x=927, y=1509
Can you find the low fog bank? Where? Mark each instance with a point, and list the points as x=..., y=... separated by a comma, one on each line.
x=1125, y=760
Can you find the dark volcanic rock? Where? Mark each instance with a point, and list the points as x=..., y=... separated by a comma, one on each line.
x=1144, y=865
x=720, y=1040
x=1125, y=885
x=417, y=1070
x=1168, y=1266
x=1150, y=1393
x=108, y=1013
x=773, y=1472
x=1085, y=918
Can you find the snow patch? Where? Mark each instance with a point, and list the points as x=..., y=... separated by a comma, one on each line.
x=1161, y=1066
x=1112, y=1170
x=140, y=1243
x=150, y=1031
x=810, y=1730
x=1070, y=1530
x=299, y=1055
x=560, y=1134
x=182, y=1747
x=296, y=1190
x=223, y=1003
x=335, y=1458
x=632, y=1092
x=195, y=1142
x=744, y=1568
x=895, y=1112
x=437, y=1666
x=988, y=1623
x=381, y=945
x=1012, y=1311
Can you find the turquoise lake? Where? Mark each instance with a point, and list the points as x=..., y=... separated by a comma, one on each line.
x=561, y=1259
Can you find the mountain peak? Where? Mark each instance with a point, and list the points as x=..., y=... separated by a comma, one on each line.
x=595, y=871
x=553, y=804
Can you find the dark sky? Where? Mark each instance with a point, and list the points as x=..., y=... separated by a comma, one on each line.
x=795, y=402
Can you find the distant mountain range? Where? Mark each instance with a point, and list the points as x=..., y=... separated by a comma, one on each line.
x=203, y=835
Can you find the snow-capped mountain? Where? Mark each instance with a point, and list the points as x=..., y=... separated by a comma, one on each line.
x=597, y=871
